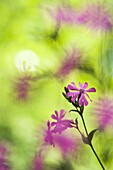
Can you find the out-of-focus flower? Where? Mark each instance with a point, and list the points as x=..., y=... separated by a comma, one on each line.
x=63, y=15
x=67, y=143
x=69, y=63
x=104, y=112
x=58, y=126
x=26, y=61
x=3, y=158
x=96, y=16
x=80, y=93
x=22, y=87
x=49, y=135
x=61, y=124
x=38, y=162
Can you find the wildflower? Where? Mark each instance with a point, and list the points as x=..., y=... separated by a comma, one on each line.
x=63, y=15
x=61, y=124
x=95, y=16
x=104, y=112
x=38, y=162
x=67, y=144
x=3, y=161
x=58, y=126
x=69, y=63
x=80, y=93
x=22, y=87
x=49, y=135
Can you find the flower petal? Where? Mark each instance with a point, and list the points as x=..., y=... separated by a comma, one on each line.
x=56, y=113
x=53, y=123
x=72, y=86
x=53, y=116
x=85, y=85
x=48, y=124
x=81, y=99
x=62, y=113
x=91, y=90
x=70, y=94
x=73, y=98
x=80, y=84
x=85, y=101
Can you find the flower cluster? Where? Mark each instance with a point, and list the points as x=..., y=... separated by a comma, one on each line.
x=59, y=123
x=57, y=126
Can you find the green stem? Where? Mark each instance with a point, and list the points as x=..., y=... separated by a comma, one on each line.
x=91, y=144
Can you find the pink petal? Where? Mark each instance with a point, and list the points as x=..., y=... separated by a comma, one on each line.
x=85, y=101
x=53, y=123
x=70, y=94
x=73, y=98
x=56, y=114
x=62, y=113
x=48, y=124
x=80, y=84
x=72, y=86
x=53, y=116
x=85, y=85
x=81, y=99
x=91, y=90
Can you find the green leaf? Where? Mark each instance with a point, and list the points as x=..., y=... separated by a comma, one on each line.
x=91, y=134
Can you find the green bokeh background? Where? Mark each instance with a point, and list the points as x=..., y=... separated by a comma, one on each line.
x=25, y=24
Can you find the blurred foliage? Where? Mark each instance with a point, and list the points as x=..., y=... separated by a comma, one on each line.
x=27, y=25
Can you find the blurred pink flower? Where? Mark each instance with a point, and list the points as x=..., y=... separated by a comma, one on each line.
x=80, y=93
x=69, y=63
x=22, y=87
x=67, y=143
x=95, y=16
x=38, y=162
x=3, y=158
x=49, y=135
x=63, y=15
x=104, y=112
x=60, y=124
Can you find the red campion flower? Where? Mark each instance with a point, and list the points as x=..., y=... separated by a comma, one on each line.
x=80, y=93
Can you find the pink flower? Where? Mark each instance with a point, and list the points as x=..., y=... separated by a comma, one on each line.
x=80, y=93
x=63, y=15
x=49, y=135
x=67, y=143
x=22, y=87
x=38, y=162
x=60, y=124
x=3, y=158
x=69, y=63
x=104, y=112
x=95, y=16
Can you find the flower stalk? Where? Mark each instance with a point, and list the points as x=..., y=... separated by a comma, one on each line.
x=90, y=144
